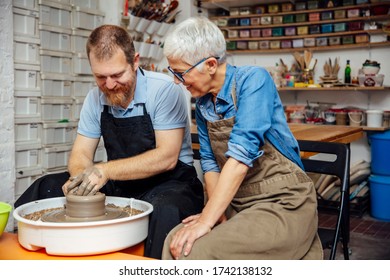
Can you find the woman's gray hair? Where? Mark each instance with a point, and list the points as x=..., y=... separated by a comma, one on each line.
x=194, y=39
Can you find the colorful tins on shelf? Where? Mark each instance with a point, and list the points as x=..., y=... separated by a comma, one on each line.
x=285, y=25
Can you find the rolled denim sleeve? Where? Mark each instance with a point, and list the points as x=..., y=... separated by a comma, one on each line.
x=255, y=91
x=239, y=153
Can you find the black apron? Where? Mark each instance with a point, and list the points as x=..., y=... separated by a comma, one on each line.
x=175, y=194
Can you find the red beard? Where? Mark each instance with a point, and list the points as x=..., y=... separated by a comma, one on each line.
x=119, y=96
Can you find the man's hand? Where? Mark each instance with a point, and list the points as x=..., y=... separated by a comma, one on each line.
x=89, y=182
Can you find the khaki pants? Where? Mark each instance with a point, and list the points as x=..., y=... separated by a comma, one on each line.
x=273, y=219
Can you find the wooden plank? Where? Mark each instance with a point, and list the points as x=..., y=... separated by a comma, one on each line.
x=325, y=133
x=313, y=49
x=347, y=88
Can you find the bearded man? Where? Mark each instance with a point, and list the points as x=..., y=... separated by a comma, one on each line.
x=143, y=120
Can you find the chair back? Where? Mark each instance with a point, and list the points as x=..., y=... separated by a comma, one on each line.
x=339, y=167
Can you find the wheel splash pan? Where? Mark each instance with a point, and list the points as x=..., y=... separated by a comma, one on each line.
x=82, y=238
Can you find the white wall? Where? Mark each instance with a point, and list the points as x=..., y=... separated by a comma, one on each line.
x=7, y=146
x=113, y=10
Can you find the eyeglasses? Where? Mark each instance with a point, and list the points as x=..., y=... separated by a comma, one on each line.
x=179, y=75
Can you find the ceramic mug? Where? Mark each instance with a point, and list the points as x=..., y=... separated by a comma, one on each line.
x=330, y=117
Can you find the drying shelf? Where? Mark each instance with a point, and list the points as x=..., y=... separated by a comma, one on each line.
x=283, y=89
x=325, y=48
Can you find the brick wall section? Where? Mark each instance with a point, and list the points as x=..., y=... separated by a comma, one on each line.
x=7, y=146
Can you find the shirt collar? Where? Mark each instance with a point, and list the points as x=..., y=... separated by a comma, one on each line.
x=225, y=92
x=227, y=87
x=140, y=87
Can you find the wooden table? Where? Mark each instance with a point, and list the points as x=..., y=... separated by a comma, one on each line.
x=324, y=133
x=10, y=249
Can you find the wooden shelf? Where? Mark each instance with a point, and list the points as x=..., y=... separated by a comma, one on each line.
x=306, y=23
x=367, y=128
x=325, y=48
x=226, y=4
x=332, y=34
x=329, y=127
x=361, y=89
x=214, y=4
x=284, y=89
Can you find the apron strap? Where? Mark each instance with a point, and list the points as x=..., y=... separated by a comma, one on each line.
x=145, y=112
x=234, y=93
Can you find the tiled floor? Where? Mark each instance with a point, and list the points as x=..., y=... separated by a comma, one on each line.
x=365, y=225
x=369, y=237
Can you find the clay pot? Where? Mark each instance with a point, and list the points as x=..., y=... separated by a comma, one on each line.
x=85, y=206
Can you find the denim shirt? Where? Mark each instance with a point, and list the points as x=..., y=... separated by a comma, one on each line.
x=259, y=116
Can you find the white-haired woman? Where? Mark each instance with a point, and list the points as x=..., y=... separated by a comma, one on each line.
x=261, y=204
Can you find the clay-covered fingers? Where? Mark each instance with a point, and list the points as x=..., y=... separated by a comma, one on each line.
x=86, y=183
x=84, y=188
x=91, y=189
x=94, y=190
x=71, y=185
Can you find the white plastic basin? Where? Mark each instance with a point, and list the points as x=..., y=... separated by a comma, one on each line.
x=82, y=238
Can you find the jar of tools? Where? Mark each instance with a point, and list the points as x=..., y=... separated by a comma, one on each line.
x=307, y=76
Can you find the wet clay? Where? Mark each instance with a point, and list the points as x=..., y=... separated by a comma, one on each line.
x=83, y=209
x=85, y=206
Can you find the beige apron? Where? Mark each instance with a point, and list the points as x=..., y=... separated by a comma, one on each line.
x=272, y=216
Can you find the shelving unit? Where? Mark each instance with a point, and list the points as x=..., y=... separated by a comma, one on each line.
x=367, y=128
x=366, y=18
x=226, y=4
x=333, y=89
x=327, y=48
x=52, y=79
x=339, y=89
x=214, y=5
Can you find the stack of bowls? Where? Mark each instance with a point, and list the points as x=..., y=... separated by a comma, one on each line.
x=370, y=76
x=371, y=67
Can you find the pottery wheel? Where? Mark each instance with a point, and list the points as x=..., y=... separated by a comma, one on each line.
x=84, y=209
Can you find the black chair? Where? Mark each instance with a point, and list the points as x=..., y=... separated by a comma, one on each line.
x=340, y=168
x=195, y=145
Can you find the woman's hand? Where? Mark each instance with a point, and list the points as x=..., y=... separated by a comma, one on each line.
x=89, y=182
x=193, y=219
x=193, y=229
x=185, y=238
